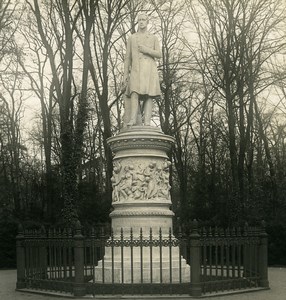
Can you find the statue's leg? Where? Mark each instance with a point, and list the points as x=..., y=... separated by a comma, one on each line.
x=139, y=114
x=127, y=110
x=134, y=107
x=148, y=105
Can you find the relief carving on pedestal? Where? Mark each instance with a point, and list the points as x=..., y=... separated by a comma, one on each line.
x=146, y=181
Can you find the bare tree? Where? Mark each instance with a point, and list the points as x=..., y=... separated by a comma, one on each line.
x=11, y=142
x=61, y=47
x=42, y=87
x=105, y=37
x=236, y=36
x=176, y=106
x=7, y=27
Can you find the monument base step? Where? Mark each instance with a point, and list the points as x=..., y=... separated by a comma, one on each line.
x=155, y=268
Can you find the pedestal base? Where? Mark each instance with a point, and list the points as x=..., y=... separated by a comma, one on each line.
x=142, y=265
x=141, y=200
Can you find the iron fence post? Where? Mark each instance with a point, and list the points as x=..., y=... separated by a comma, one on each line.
x=20, y=252
x=195, y=257
x=246, y=251
x=79, y=286
x=43, y=254
x=263, y=257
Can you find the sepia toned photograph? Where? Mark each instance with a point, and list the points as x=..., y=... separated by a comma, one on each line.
x=143, y=149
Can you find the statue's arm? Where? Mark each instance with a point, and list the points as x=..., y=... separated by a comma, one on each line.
x=127, y=60
x=154, y=52
x=127, y=64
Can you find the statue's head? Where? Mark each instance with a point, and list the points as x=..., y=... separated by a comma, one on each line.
x=142, y=20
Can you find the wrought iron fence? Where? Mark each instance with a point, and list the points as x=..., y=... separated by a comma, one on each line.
x=233, y=259
x=97, y=262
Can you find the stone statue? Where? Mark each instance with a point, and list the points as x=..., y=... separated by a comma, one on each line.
x=141, y=79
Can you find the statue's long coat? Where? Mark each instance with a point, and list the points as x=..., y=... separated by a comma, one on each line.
x=143, y=76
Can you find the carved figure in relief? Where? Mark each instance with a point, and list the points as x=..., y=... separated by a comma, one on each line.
x=141, y=182
x=126, y=182
x=138, y=183
x=166, y=184
x=115, y=180
x=150, y=187
x=164, y=190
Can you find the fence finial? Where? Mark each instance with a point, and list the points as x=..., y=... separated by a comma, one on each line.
x=233, y=231
x=102, y=232
x=121, y=234
x=20, y=229
x=78, y=227
x=43, y=230
x=204, y=232
x=216, y=233
x=195, y=224
x=245, y=229
x=180, y=234
x=92, y=233
x=131, y=234
x=194, y=228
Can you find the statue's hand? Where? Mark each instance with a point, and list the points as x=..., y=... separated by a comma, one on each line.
x=143, y=49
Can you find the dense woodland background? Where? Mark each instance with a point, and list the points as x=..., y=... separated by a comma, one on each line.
x=223, y=82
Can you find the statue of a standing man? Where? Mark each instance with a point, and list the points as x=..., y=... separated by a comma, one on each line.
x=141, y=79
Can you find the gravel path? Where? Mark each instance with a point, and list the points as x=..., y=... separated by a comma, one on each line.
x=277, y=278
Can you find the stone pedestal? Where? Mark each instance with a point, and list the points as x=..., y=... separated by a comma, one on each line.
x=141, y=200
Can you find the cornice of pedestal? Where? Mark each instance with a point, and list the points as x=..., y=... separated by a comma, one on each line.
x=142, y=208
x=141, y=137
x=150, y=204
x=121, y=213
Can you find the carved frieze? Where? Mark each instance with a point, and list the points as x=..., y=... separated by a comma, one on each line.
x=139, y=181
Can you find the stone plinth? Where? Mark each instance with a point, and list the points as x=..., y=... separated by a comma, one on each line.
x=156, y=270
x=141, y=200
